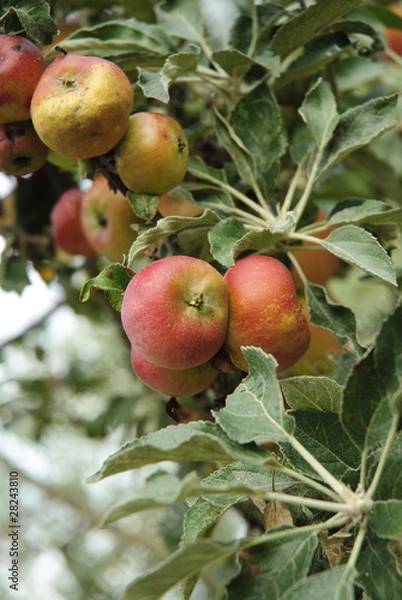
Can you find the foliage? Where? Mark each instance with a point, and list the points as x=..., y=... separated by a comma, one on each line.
x=290, y=107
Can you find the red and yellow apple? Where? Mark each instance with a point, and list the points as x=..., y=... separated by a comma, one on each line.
x=175, y=311
x=264, y=311
x=21, y=66
x=21, y=150
x=106, y=219
x=81, y=105
x=394, y=36
x=173, y=382
x=152, y=157
x=65, y=218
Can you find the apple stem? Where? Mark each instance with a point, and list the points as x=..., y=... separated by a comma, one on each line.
x=62, y=50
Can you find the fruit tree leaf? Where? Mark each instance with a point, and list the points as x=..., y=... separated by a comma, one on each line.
x=143, y=205
x=357, y=127
x=357, y=246
x=237, y=64
x=319, y=111
x=337, y=319
x=166, y=227
x=195, y=441
x=222, y=237
x=34, y=19
x=388, y=357
x=366, y=415
x=305, y=26
x=377, y=567
x=385, y=519
x=181, y=18
x=334, y=584
x=186, y=562
x=254, y=411
x=390, y=486
x=199, y=169
x=312, y=393
x=113, y=280
x=360, y=211
x=322, y=434
x=266, y=573
x=199, y=519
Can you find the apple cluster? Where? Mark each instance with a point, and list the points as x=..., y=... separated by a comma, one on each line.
x=186, y=321
x=80, y=107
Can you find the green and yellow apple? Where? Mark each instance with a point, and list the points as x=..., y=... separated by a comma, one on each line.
x=175, y=311
x=65, y=219
x=21, y=66
x=81, y=105
x=264, y=311
x=173, y=382
x=152, y=157
x=21, y=150
x=106, y=219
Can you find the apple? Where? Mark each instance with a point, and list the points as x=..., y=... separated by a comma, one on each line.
x=173, y=382
x=21, y=150
x=21, y=66
x=106, y=219
x=170, y=206
x=264, y=311
x=317, y=265
x=152, y=157
x=394, y=36
x=175, y=311
x=65, y=218
x=81, y=105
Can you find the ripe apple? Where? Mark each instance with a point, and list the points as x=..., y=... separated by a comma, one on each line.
x=175, y=311
x=264, y=311
x=170, y=206
x=21, y=66
x=21, y=150
x=153, y=155
x=173, y=382
x=65, y=218
x=317, y=265
x=81, y=105
x=106, y=219
x=394, y=36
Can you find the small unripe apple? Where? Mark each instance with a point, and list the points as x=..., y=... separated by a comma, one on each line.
x=21, y=150
x=175, y=311
x=81, y=105
x=152, y=157
x=264, y=311
x=173, y=382
x=106, y=219
x=65, y=218
x=21, y=66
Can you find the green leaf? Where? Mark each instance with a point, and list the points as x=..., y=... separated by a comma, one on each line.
x=186, y=562
x=254, y=411
x=377, y=572
x=143, y=205
x=366, y=414
x=113, y=281
x=256, y=241
x=385, y=519
x=312, y=393
x=357, y=246
x=237, y=64
x=388, y=357
x=308, y=24
x=196, y=441
x=166, y=227
x=337, y=319
x=267, y=572
x=323, y=435
x=222, y=237
x=319, y=112
x=334, y=584
x=357, y=127
x=181, y=18
x=390, y=486
x=199, y=169
x=34, y=19
x=359, y=211
x=199, y=519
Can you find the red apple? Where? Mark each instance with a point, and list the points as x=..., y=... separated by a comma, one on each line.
x=21, y=150
x=175, y=310
x=65, y=218
x=81, y=105
x=173, y=382
x=394, y=36
x=21, y=66
x=153, y=155
x=170, y=206
x=264, y=311
x=106, y=219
